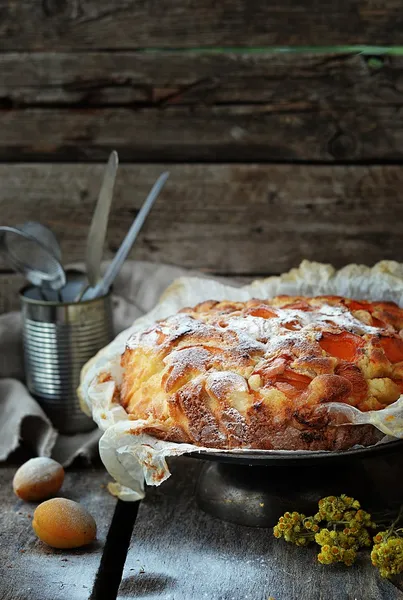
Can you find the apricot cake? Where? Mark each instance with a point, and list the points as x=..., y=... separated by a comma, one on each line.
x=261, y=374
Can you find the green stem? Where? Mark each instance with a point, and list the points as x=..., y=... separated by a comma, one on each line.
x=392, y=531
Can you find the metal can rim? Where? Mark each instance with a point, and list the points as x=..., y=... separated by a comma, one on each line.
x=53, y=303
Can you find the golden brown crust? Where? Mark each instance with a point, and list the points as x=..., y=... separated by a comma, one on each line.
x=259, y=374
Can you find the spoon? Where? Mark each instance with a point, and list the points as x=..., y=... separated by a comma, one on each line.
x=34, y=251
x=105, y=283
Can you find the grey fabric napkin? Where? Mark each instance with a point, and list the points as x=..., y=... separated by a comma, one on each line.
x=136, y=291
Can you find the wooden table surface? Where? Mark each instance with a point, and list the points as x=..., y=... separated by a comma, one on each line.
x=166, y=548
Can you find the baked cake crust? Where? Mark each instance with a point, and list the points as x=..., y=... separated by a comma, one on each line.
x=259, y=374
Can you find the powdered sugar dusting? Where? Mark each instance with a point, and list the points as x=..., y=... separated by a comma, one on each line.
x=195, y=358
x=220, y=381
x=264, y=330
x=173, y=328
x=273, y=332
x=252, y=333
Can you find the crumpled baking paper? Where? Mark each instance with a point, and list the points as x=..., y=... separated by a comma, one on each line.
x=133, y=457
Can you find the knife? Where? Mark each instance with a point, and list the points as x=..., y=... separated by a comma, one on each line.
x=97, y=233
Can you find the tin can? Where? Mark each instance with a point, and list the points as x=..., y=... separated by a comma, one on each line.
x=59, y=338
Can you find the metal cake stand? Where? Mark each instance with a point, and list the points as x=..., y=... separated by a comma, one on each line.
x=256, y=488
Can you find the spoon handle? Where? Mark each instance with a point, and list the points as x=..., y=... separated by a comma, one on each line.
x=99, y=223
x=105, y=283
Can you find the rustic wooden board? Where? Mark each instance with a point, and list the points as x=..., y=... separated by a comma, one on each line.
x=285, y=81
x=217, y=133
x=132, y=24
x=229, y=219
x=179, y=552
x=219, y=107
x=28, y=568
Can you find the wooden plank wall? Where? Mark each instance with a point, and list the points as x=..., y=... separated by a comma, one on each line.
x=68, y=24
x=178, y=106
x=275, y=155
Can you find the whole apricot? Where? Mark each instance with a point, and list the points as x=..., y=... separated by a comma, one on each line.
x=63, y=523
x=38, y=478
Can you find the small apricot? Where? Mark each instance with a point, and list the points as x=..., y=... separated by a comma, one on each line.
x=38, y=479
x=63, y=523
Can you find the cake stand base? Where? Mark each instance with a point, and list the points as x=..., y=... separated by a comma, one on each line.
x=257, y=496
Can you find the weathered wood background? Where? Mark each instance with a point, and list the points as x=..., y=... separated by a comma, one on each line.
x=67, y=24
x=275, y=154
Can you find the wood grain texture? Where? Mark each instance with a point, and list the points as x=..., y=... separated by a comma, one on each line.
x=229, y=219
x=179, y=552
x=161, y=78
x=28, y=568
x=217, y=133
x=168, y=106
x=131, y=24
